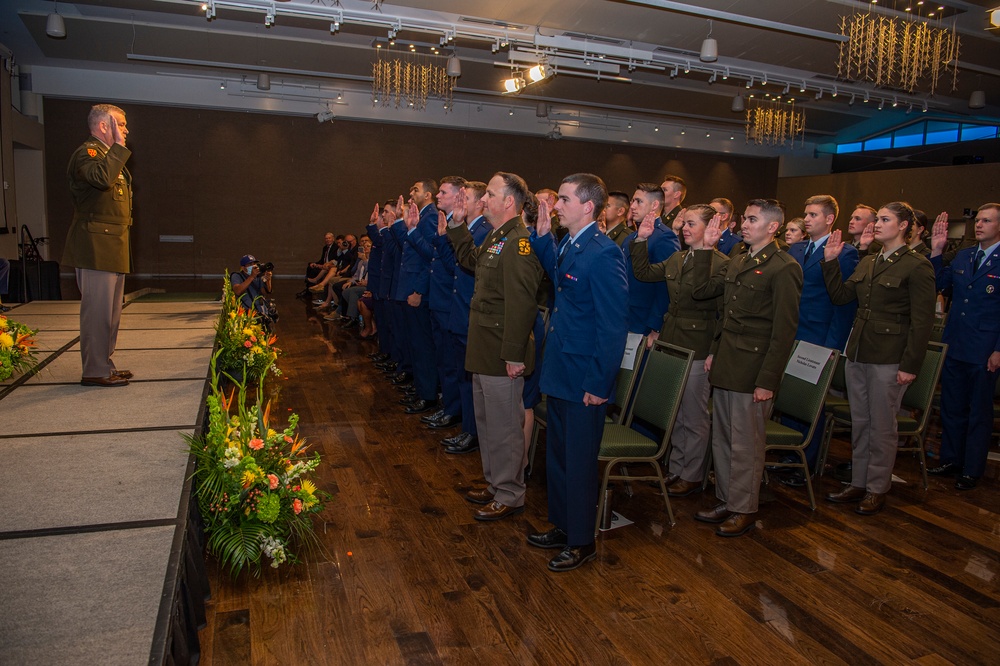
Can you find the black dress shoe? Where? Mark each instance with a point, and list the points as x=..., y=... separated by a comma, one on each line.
x=5, y=308
x=432, y=417
x=456, y=440
x=445, y=421
x=350, y=323
x=386, y=366
x=470, y=446
x=402, y=378
x=794, y=480
x=964, y=482
x=946, y=469
x=378, y=357
x=408, y=400
x=554, y=538
x=571, y=558
x=783, y=459
x=420, y=406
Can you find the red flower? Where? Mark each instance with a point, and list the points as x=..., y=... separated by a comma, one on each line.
x=256, y=443
x=248, y=344
x=297, y=506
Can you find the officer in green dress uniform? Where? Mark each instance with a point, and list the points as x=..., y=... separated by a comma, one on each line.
x=97, y=244
x=616, y=217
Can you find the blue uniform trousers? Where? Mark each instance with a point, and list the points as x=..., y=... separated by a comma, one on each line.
x=447, y=372
x=573, y=441
x=966, y=415
x=468, y=410
x=421, y=344
x=400, y=344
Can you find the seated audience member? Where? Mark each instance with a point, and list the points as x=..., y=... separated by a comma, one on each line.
x=314, y=269
x=253, y=287
x=4, y=273
x=795, y=231
x=347, y=256
x=369, y=328
x=349, y=292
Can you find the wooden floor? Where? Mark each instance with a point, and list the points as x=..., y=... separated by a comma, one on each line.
x=409, y=577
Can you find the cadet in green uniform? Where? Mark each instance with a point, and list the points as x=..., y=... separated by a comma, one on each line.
x=501, y=349
x=97, y=244
x=689, y=323
x=760, y=314
x=895, y=290
x=616, y=217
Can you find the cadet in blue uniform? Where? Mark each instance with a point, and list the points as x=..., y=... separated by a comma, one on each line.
x=648, y=301
x=583, y=351
x=969, y=376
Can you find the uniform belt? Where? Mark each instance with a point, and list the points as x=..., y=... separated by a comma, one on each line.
x=743, y=329
x=866, y=315
x=483, y=308
x=692, y=314
x=106, y=219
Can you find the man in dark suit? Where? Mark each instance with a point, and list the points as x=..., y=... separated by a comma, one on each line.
x=583, y=351
x=97, y=244
x=648, y=301
x=724, y=207
x=820, y=321
x=501, y=349
x=969, y=376
x=761, y=290
x=616, y=217
x=416, y=237
x=464, y=280
x=314, y=268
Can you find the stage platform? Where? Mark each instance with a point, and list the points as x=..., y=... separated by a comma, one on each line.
x=95, y=536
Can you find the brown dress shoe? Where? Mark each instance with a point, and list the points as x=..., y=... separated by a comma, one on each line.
x=670, y=478
x=124, y=374
x=682, y=488
x=737, y=525
x=848, y=495
x=716, y=514
x=871, y=504
x=495, y=511
x=113, y=380
x=480, y=496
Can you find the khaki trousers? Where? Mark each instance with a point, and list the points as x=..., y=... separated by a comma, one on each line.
x=738, y=448
x=500, y=422
x=875, y=398
x=101, y=296
x=689, y=440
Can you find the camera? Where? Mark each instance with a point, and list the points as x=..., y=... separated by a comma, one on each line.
x=265, y=267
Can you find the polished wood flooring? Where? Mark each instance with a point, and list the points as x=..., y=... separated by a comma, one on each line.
x=408, y=577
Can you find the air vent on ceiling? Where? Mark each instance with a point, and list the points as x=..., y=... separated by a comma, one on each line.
x=494, y=24
x=594, y=39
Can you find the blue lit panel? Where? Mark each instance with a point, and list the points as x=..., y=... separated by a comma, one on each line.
x=849, y=148
x=878, y=143
x=941, y=133
x=975, y=132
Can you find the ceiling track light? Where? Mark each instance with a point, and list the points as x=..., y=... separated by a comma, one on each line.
x=787, y=88
x=750, y=83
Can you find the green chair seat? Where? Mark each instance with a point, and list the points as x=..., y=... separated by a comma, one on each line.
x=907, y=425
x=781, y=435
x=623, y=442
x=834, y=401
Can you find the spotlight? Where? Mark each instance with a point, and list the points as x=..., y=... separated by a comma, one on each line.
x=324, y=115
x=656, y=129
x=802, y=87
x=268, y=20
x=222, y=86
x=683, y=131
x=513, y=85
x=536, y=73
x=263, y=81
x=708, y=135
x=510, y=112
x=629, y=126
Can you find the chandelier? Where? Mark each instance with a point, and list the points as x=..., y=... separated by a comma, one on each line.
x=774, y=123
x=408, y=81
x=897, y=53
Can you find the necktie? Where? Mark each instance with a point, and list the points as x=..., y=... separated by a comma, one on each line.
x=809, y=252
x=980, y=256
x=879, y=260
x=562, y=250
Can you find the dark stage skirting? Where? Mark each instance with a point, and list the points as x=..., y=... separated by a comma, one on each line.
x=100, y=538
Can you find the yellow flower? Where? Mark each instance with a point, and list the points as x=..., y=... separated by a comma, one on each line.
x=6, y=341
x=248, y=478
x=3, y=323
x=308, y=486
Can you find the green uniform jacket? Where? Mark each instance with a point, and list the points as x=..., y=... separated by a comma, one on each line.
x=101, y=188
x=689, y=323
x=895, y=307
x=741, y=247
x=504, y=300
x=620, y=233
x=760, y=314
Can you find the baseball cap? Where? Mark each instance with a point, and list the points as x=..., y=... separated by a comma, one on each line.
x=248, y=259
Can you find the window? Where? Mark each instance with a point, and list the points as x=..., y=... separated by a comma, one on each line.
x=922, y=133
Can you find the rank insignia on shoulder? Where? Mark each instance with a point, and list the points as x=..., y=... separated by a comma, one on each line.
x=523, y=247
x=92, y=152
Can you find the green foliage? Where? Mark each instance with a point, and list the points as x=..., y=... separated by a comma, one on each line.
x=247, y=351
x=16, y=353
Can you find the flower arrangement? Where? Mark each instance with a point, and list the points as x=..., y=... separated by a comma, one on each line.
x=248, y=351
x=251, y=482
x=16, y=353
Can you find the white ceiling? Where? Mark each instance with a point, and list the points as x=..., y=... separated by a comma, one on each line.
x=173, y=37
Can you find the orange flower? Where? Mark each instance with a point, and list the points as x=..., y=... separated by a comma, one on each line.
x=256, y=443
x=297, y=506
x=288, y=439
x=248, y=344
x=272, y=481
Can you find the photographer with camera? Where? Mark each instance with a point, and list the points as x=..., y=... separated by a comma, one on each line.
x=252, y=285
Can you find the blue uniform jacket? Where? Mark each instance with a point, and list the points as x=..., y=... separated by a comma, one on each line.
x=649, y=301
x=588, y=325
x=973, y=329
x=464, y=280
x=820, y=321
x=391, y=261
x=442, y=272
x=417, y=251
x=727, y=241
x=375, y=259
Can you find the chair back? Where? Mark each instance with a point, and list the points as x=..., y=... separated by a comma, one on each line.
x=803, y=400
x=661, y=386
x=839, y=379
x=920, y=393
x=625, y=381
